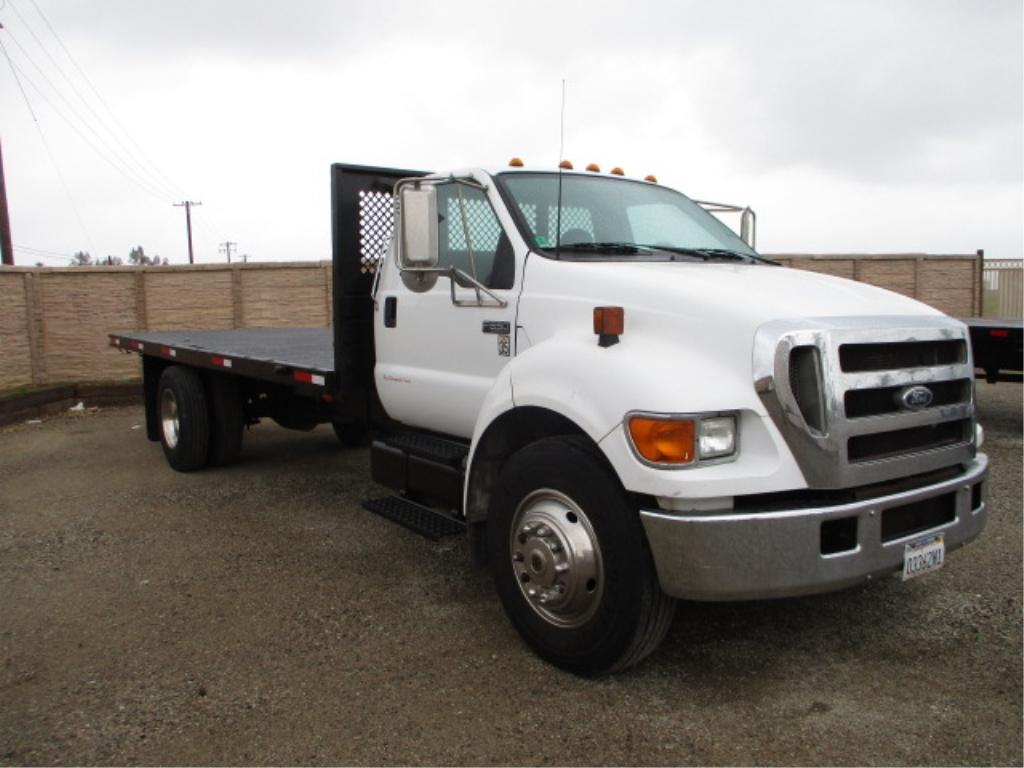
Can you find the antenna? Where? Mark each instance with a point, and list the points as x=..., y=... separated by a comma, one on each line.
x=561, y=156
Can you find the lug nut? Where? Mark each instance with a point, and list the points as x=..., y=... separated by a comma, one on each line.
x=543, y=531
x=518, y=557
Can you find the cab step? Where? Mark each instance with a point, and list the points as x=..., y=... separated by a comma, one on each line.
x=429, y=447
x=422, y=466
x=423, y=520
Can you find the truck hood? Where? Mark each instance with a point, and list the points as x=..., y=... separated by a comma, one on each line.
x=755, y=293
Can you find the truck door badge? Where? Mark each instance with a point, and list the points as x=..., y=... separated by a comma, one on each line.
x=504, y=346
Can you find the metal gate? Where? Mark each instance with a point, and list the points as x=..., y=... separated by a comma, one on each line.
x=1003, y=282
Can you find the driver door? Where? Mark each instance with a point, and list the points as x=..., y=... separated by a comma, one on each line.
x=439, y=350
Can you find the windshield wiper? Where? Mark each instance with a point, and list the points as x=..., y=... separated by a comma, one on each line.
x=726, y=253
x=604, y=247
x=709, y=254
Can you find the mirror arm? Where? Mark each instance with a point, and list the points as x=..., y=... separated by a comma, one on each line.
x=452, y=272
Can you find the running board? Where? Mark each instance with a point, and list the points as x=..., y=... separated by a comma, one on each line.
x=421, y=466
x=425, y=521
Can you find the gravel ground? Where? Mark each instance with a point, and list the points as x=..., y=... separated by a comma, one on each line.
x=257, y=614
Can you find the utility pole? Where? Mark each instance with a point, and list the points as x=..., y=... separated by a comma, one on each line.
x=226, y=248
x=187, y=205
x=6, y=248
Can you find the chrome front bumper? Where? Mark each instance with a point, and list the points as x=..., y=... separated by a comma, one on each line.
x=752, y=555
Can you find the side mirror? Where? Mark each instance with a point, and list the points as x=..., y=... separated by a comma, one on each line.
x=419, y=227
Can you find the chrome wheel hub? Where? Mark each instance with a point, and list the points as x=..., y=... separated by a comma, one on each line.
x=556, y=558
x=169, y=418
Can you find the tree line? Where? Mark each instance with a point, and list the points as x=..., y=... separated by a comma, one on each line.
x=136, y=258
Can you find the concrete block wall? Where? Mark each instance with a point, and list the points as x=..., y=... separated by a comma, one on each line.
x=951, y=284
x=54, y=322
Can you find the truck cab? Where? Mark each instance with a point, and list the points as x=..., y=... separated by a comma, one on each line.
x=769, y=432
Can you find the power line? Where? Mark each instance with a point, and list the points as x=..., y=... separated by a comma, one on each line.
x=138, y=167
x=42, y=252
x=123, y=168
x=101, y=100
x=35, y=253
x=46, y=145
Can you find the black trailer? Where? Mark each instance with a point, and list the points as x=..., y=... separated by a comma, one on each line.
x=998, y=347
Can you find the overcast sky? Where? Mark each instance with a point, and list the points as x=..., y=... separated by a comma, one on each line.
x=848, y=126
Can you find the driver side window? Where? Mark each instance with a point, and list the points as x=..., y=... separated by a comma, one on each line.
x=470, y=237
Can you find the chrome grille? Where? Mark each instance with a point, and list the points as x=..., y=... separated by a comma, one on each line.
x=837, y=390
x=854, y=358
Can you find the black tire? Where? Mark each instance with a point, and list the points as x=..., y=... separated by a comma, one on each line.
x=183, y=418
x=604, y=619
x=352, y=434
x=227, y=420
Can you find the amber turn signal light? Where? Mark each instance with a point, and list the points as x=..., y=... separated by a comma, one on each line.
x=662, y=441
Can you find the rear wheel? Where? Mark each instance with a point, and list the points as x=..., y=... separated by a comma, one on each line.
x=184, y=418
x=570, y=560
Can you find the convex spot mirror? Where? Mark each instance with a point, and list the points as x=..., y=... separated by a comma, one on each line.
x=419, y=227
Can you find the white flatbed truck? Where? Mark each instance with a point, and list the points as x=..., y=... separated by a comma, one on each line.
x=614, y=394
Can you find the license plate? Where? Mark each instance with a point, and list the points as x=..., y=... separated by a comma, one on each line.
x=923, y=556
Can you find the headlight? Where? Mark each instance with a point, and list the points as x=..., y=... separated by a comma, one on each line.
x=673, y=441
x=717, y=437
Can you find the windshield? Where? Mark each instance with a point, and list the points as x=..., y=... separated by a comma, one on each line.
x=609, y=217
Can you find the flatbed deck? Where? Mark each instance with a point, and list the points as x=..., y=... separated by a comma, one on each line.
x=282, y=355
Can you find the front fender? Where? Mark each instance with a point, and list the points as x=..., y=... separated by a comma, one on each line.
x=594, y=388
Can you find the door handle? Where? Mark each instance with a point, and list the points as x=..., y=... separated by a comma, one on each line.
x=390, y=311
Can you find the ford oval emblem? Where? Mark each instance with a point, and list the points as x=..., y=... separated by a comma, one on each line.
x=915, y=398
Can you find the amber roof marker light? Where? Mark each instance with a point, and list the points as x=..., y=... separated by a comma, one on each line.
x=515, y=162
x=565, y=165
x=594, y=168
x=616, y=171
x=651, y=178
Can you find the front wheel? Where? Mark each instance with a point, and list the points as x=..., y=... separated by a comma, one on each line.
x=570, y=560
